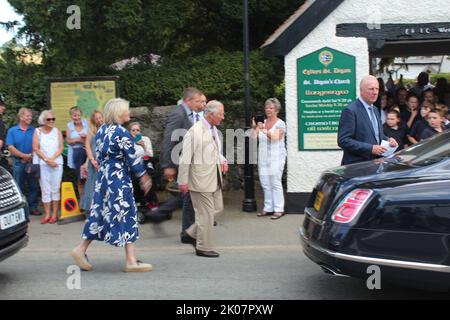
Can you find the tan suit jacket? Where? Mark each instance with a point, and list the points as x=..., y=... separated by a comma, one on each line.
x=200, y=160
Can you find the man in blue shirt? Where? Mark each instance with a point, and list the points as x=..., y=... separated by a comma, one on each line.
x=20, y=143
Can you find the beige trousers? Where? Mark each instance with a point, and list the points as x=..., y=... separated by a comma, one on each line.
x=206, y=206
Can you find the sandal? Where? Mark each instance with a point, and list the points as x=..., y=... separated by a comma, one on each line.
x=263, y=213
x=139, y=267
x=277, y=215
x=81, y=260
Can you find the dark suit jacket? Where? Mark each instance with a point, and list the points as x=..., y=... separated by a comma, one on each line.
x=178, y=119
x=356, y=136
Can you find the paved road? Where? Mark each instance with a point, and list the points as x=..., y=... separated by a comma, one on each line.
x=260, y=259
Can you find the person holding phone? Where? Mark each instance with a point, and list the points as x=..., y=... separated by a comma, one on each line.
x=271, y=157
x=144, y=151
x=144, y=144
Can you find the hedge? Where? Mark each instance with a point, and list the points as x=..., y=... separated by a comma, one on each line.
x=218, y=74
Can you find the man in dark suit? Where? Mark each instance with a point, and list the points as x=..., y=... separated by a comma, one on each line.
x=360, y=131
x=179, y=121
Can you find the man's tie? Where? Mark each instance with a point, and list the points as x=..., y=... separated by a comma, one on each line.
x=197, y=117
x=374, y=121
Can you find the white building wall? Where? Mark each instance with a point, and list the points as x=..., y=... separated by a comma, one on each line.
x=305, y=167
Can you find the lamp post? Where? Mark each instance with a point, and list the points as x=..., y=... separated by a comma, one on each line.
x=249, y=204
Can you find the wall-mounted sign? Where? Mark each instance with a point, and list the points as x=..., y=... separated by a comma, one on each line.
x=326, y=84
x=395, y=31
x=87, y=93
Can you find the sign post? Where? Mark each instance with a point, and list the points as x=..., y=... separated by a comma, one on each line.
x=88, y=94
x=326, y=84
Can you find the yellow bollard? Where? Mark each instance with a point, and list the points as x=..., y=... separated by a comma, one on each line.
x=70, y=211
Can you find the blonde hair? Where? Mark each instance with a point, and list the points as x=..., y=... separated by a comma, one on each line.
x=115, y=109
x=93, y=127
x=75, y=109
x=442, y=107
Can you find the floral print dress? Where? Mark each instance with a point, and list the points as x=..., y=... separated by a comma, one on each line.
x=113, y=216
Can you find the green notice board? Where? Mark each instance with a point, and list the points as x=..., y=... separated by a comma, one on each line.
x=326, y=83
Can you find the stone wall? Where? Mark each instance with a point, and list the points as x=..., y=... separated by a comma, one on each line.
x=153, y=122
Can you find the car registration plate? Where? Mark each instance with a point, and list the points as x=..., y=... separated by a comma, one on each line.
x=12, y=219
x=318, y=201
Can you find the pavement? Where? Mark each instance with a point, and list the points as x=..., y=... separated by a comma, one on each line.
x=261, y=259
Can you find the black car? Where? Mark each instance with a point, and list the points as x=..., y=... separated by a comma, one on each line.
x=393, y=213
x=13, y=216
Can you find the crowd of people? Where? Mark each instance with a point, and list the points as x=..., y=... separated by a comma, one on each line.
x=398, y=118
x=111, y=163
x=414, y=114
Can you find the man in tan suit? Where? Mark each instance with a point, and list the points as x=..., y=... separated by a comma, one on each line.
x=200, y=172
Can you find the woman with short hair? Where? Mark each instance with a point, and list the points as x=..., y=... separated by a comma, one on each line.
x=113, y=217
x=271, y=158
x=48, y=145
x=144, y=151
x=76, y=136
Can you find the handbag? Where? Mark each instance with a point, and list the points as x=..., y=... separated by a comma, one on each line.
x=34, y=170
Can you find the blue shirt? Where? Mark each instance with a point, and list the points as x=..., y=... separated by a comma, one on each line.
x=20, y=139
x=375, y=124
x=192, y=114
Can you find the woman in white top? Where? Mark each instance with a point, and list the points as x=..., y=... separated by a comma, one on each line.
x=271, y=158
x=76, y=133
x=143, y=144
x=144, y=151
x=48, y=145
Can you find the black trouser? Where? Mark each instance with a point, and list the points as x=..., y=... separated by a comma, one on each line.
x=188, y=217
x=139, y=196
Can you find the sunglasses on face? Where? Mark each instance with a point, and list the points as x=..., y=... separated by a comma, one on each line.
x=50, y=119
x=135, y=130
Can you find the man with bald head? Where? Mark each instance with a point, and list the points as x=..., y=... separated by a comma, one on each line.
x=360, y=131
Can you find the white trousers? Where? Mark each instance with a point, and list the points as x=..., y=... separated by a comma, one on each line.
x=50, y=182
x=270, y=174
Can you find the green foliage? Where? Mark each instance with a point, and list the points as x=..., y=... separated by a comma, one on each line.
x=218, y=74
x=435, y=76
x=112, y=30
x=198, y=41
x=22, y=84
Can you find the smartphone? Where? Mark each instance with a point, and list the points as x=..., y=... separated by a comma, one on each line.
x=259, y=119
x=138, y=137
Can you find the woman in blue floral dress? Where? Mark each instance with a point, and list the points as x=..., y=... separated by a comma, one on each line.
x=113, y=216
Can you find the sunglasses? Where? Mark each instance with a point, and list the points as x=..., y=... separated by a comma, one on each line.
x=50, y=119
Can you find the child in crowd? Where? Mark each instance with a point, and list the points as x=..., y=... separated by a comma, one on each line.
x=428, y=95
x=421, y=124
x=436, y=121
x=410, y=114
x=444, y=109
x=393, y=128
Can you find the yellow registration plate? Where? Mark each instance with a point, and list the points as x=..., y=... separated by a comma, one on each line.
x=318, y=202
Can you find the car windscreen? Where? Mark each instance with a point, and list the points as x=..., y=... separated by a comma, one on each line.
x=426, y=152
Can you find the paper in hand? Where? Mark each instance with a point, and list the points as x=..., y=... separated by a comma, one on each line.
x=389, y=150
